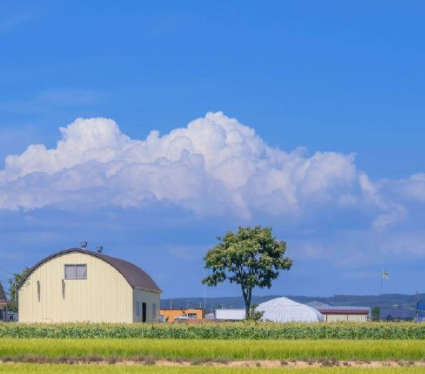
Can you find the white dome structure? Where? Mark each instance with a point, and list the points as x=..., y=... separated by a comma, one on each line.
x=283, y=309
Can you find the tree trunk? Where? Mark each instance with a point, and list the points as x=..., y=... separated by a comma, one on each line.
x=247, y=300
x=247, y=306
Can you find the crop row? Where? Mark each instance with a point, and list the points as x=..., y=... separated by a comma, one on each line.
x=251, y=331
x=216, y=349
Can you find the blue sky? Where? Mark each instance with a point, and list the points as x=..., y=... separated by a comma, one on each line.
x=333, y=90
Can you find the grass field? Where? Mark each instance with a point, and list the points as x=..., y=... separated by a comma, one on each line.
x=81, y=369
x=217, y=349
x=224, y=331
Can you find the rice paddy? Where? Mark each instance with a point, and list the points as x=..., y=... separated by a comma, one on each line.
x=213, y=348
x=217, y=349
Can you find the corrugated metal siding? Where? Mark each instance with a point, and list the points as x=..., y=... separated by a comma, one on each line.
x=105, y=296
x=357, y=318
x=150, y=298
x=346, y=317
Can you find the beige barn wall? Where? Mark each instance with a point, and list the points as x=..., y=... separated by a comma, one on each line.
x=105, y=296
x=345, y=317
x=150, y=298
x=357, y=318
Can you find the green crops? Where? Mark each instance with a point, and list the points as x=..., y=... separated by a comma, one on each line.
x=215, y=349
x=251, y=331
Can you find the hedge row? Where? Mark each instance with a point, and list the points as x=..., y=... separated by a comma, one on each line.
x=219, y=331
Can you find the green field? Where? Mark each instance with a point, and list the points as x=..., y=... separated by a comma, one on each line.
x=72, y=346
x=81, y=369
x=216, y=349
x=252, y=331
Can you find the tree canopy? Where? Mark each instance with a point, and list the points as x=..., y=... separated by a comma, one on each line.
x=13, y=288
x=251, y=257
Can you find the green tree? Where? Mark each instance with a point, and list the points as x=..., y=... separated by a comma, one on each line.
x=13, y=289
x=376, y=313
x=254, y=315
x=251, y=257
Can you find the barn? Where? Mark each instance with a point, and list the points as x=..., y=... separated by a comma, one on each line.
x=78, y=285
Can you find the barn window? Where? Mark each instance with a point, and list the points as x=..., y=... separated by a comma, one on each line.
x=137, y=309
x=76, y=271
x=153, y=311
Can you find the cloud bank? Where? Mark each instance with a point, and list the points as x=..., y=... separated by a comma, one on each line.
x=214, y=165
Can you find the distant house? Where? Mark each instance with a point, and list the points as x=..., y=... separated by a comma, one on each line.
x=78, y=285
x=342, y=313
x=3, y=304
x=169, y=315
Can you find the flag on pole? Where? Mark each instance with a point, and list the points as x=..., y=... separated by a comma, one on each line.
x=385, y=274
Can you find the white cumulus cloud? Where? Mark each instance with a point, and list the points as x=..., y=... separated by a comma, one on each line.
x=412, y=188
x=214, y=165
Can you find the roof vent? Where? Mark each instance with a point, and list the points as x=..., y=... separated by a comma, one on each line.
x=99, y=249
x=83, y=244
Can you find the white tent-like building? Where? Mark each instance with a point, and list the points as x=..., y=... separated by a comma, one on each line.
x=283, y=309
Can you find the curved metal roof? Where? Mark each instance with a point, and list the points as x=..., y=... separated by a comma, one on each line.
x=136, y=277
x=283, y=309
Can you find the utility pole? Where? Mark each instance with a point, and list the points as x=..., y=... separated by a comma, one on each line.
x=205, y=295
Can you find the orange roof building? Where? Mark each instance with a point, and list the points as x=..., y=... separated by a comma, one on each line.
x=169, y=315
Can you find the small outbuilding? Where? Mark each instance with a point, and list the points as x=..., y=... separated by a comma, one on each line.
x=170, y=314
x=283, y=309
x=78, y=285
x=231, y=315
x=345, y=313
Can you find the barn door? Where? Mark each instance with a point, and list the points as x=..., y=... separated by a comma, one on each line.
x=143, y=312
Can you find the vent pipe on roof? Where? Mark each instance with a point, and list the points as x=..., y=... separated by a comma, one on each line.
x=99, y=249
x=83, y=244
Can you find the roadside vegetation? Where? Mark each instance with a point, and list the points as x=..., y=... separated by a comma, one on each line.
x=77, y=369
x=170, y=349
x=222, y=331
